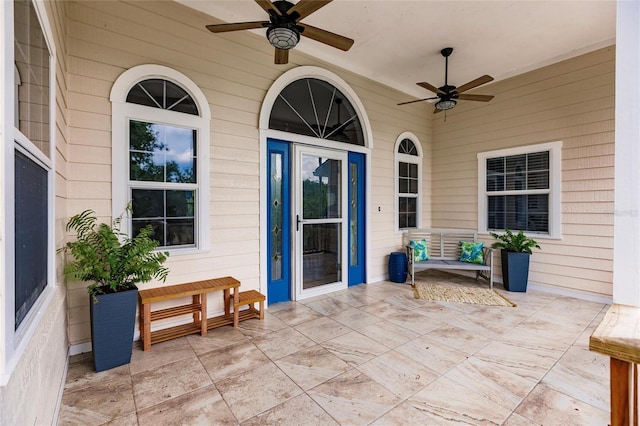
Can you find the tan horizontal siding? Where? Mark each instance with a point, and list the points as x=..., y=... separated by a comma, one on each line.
x=571, y=101
x=234, y=71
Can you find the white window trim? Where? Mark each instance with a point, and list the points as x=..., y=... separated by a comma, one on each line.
x=555, y=183
x=405, y=158
x=13, y=343
x=17, y=82
x=122, y=112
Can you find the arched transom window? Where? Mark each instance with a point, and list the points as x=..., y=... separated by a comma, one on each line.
x=163, y=94
x=316, y=108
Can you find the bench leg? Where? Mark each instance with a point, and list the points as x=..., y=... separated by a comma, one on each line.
x=141, y=319
x=196, y=301
x=203, y=314
x=227, y=301
x=236, y=301
x=261, y=310
x=146, y=327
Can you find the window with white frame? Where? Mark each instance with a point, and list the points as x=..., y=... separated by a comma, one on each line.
x=519, y=189
x=32, y=162
x=161, y=146
x=408, y=161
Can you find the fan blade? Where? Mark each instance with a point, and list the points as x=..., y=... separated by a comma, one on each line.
x=430, y=88
x=417, y=100
x=281, y=57
x=326, y=37
x=480, y=98
x=223, y=28
x=474, y=83
x=307, y=7
x=267, y=6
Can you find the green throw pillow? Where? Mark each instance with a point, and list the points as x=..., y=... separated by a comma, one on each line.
x=471, y=252
x=420, y=250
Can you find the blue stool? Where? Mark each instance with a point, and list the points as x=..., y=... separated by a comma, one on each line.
x=398, y=267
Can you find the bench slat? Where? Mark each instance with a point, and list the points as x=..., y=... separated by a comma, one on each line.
x=159, y=294
x=175, y=311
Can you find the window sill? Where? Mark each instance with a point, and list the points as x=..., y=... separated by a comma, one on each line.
x=528, y=234
x=185, y=251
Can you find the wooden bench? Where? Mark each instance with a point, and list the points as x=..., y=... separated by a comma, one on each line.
x=444, y=252
x=198, y=308
x=249, y=298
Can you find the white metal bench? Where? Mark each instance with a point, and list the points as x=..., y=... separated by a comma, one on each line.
x=444, y=252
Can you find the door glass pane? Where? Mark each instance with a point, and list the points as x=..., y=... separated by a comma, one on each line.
x=353, y=214
x=321, y=254
x=275, y=198
x=321, y=183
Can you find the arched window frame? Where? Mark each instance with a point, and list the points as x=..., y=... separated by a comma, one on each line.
x=123, y=112
x=411, y=159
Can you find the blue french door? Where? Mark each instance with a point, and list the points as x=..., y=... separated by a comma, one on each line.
x=278, y=222
x=357, y=219
x=281, y=253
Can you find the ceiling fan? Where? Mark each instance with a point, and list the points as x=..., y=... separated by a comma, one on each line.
x=448, y=96
x=284, y=27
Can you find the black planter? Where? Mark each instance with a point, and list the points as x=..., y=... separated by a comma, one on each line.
x=112, y=322
x=515, y=270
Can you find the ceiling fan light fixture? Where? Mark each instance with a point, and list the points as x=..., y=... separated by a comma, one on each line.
x=285, y=37
x=445, y=104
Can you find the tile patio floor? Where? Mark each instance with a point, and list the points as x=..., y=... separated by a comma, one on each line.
x=371, y=354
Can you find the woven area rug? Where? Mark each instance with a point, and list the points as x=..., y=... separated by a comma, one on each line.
x=460, y=294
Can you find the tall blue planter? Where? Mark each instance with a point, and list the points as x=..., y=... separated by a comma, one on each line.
x=515, y=270
x=398, y=267
x=112, y=322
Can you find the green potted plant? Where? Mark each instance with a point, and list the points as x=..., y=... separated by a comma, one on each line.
x=114, y=263
x=515, y=253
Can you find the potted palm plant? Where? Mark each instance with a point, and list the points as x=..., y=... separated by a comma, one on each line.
x=113, y=263
x=515, y=253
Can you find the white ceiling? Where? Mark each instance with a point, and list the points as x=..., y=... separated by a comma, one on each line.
x=398, y=42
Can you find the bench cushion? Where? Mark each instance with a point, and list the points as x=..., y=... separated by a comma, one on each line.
x=420, y=250
x=471, y=252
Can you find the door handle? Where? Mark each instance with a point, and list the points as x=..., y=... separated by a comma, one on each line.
x=298, y=222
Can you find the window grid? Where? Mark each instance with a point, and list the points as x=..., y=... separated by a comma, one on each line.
x=518, y=192
x=407, y=184
x=316, y=108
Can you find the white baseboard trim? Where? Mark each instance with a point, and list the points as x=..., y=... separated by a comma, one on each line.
x=80, y=348
x=56, y=413
x=577, y=294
